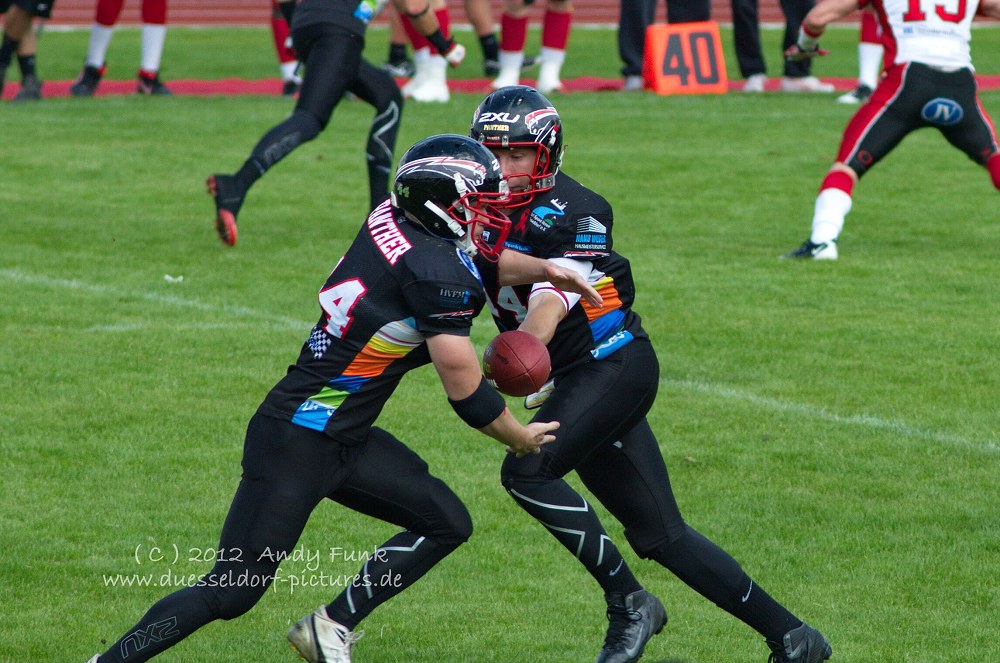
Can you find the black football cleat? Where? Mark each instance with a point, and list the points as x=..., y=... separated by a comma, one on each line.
x=858, y=95
x=399, y=68
x=290, y=88
x=152, y=86
x=86, y=84
x=31, y=89
x=228, y=200
x=812, y=251
x=800, y=645
x=634, y=619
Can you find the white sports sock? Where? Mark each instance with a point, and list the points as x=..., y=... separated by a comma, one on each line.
x=511, y=60
x=556, y=55
x=832, y=205
x=288, y=71
x=869, y=64
x=100, y=37
x=153, y=37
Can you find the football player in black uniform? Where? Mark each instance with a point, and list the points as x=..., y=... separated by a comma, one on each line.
x=329, y=38
x=18, y=40
x=404, y=295
x=605, y=375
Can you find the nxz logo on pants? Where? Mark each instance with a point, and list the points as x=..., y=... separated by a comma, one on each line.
x=142, y=638
x=945, y=112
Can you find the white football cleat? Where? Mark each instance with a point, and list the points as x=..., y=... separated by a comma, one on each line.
x=755, y=83
x=319, y=639
x=805, y=84
x=508, y=76
x=433, y=87
x=548, y=78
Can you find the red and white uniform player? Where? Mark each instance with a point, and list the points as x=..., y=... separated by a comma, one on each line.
x=154, y=33
x=928, y=82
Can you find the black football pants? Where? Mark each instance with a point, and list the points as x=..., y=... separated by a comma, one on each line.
x=287, y=471
x=604, y=436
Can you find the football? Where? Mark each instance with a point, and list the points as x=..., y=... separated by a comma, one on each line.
x=516, y=363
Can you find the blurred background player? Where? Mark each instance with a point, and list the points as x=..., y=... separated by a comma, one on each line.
x=328, y=37
x=480, y=15
x=398, y=64
x=19, y=39
x=154, y=33
x=870, y=53
x=288, y=62
x=556, y=21
x=637, y=15
x=432, y=52
x=746, y=38
x=928, y=82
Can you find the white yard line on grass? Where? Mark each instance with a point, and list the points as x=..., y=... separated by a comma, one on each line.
x=260, y=317
x=864, y=420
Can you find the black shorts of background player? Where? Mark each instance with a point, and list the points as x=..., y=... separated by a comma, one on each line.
x=329, y=38
x=605, y=381
x=19, y=40
x=314, y=436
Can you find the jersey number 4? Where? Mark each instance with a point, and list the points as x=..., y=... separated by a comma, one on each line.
x=508, y=300
x=338, y=301
x=915, y=13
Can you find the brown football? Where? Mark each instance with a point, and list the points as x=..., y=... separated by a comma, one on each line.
x=516, y=363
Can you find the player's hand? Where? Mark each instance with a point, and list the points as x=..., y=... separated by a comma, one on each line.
x=796, y=53
x=538, y=434
x=455, y=54
x=570, y=281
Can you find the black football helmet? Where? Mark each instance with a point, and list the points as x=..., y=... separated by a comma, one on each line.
x=520, y=116
x=450, y=185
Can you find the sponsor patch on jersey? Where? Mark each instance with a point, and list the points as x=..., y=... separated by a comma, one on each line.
x=591, y=241
x=543, y=216
x=453, y=298
x=942, y=112
x=516, y=246
x=612, y=345
x=589, y=224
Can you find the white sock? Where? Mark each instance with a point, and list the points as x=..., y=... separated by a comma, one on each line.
x=153, y=37
x=288, y=71
x=869, y=64
x=511, y=60
x=100, y=37
x=422, y=55
x=832, y=205
x=556, y=55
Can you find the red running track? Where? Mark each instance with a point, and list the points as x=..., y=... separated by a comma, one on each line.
x=272, y=86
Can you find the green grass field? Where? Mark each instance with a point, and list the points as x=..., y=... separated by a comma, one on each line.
x=834, y=426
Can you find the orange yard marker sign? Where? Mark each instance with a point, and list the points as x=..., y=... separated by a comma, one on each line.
x=685, y=58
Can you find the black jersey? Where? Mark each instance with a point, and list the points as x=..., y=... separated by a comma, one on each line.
x=570, y=221
x=351, y=14
x=395, y=286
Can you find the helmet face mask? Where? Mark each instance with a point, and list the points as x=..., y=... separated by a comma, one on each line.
x=519, y=116
x=451, y=186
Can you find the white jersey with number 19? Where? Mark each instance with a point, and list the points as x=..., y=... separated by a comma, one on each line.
x=932, y=32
